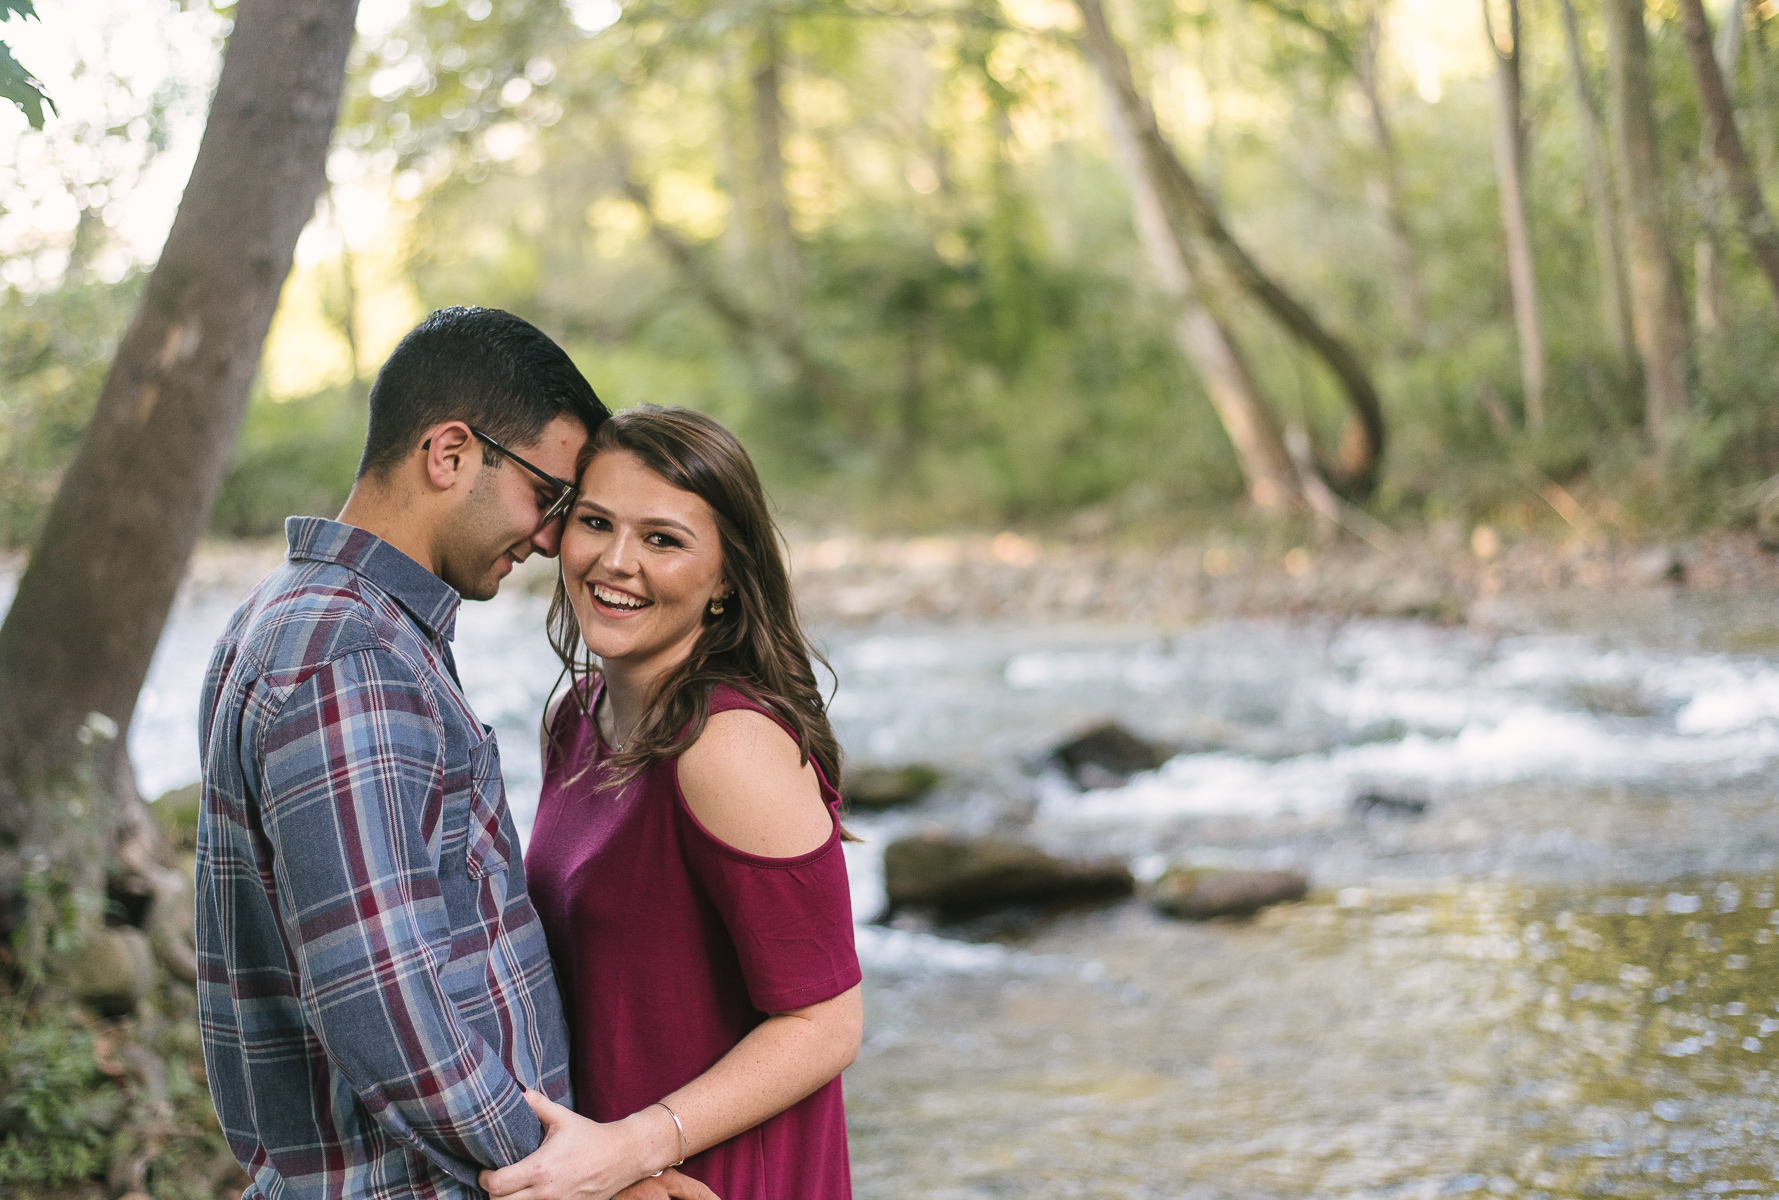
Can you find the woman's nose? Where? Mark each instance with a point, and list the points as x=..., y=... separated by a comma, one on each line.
x=620, y=553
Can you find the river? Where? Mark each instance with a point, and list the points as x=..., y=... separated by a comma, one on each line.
x=1558, y=981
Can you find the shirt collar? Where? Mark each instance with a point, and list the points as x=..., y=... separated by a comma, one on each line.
x=427, y=598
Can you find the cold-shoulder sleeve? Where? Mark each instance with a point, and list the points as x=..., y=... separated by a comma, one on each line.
x=789, y=918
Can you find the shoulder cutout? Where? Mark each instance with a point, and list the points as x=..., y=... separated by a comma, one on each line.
x=743, y=782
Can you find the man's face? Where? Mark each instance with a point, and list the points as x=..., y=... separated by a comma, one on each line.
x=499, y=522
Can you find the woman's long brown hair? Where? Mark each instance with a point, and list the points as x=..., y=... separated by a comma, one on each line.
x=757, y=645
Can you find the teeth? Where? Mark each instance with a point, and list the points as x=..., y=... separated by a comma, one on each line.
x=617, y=599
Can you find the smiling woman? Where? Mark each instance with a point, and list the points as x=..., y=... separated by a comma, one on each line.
x=686, y=860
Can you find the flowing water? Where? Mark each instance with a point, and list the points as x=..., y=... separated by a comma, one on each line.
x=1560, y=980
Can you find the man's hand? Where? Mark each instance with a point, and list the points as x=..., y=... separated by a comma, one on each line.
x=669, y=1185
x=585, y=1160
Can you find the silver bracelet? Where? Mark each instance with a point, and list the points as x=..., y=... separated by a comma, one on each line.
x=682, y=1140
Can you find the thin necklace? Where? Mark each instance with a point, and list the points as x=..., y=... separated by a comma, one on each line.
x=612, y=709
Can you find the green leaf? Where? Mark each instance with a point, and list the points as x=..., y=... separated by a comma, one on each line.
x=17, y=84
x=17, y=8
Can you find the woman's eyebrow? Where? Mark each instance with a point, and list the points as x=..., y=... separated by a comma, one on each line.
x=669, y=522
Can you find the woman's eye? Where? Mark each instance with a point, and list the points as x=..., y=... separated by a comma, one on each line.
x=596, y=524
x=662, y=540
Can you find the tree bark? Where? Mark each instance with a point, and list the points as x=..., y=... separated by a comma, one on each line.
x=1615, y=296
x=1403, y=257
x=1203, y=340
x=784, y=267
x=1710, y=286
x=1658, y=304
x=1510, y=173
x=88, y=613
x=743, y=326
x=1752, y=217
x=1187, y=204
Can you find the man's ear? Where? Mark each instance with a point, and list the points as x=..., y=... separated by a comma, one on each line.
x=448, y=458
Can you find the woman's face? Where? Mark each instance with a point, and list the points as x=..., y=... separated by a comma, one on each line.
x=641, y=560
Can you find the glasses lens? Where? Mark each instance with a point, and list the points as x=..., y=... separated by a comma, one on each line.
x=561, y=506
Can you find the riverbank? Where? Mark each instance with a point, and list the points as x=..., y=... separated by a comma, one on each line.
x=1443, y=574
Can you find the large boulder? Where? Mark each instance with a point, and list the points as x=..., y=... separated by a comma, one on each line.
x=873, y=789
x=112, y=971
x=960, y=876
x=1199, y=895
x=1108, y=755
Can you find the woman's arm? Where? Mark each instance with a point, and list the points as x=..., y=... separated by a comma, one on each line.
x=743, y=782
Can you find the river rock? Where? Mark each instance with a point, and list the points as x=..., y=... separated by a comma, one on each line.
x=873, y=789
x=1374, y=805
x=1108, y=755
x=1663, y=564
x=1199, y=895
x=958, y=875
x=112, y=971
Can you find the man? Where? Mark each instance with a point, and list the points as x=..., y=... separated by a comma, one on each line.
x=374, y=987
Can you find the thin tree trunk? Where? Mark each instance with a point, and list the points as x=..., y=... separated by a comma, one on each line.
x=1710, y=284
x=1615, y=296
x=1658, y=304
x=1203, y=340
x=89, y=609
x=747, y=329
x=782, y=259
x=1752, y=217
x=1403, y=258
x=1510, y=172
x=1187, y=204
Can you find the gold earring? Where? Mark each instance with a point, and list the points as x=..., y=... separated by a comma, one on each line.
x=716, y=606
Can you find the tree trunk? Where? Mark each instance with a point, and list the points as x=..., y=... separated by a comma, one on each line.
x=1203, y=340
x=89, y=609
x=1615, y=296
x=1187, y=204
x=1752, y=217
x=1710, y=284
x=743, y=326
x=1658, y=304
x=784, y=268
x=1510, y=172
x=1403, y=258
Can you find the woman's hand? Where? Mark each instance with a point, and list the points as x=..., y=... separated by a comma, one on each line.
x=586, y=1160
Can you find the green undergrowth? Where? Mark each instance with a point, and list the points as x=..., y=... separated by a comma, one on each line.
x=95, y=1107
x=100, y=1107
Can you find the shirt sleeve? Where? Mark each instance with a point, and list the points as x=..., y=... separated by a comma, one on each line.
x=350, y=808
x=789, y=918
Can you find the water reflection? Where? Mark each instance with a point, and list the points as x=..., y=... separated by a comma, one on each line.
x=1488, y=1038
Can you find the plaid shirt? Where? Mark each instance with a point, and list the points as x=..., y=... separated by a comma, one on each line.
x=373, y=982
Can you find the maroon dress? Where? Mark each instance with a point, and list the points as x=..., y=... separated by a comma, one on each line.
x=671, y=946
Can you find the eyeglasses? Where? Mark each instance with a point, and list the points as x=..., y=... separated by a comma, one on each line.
x=564, y=491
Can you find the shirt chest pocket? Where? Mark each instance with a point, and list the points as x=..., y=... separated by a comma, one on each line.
x=475, y=813
x=486, y=849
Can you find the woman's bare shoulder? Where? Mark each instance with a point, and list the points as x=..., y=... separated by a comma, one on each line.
x=743, y=781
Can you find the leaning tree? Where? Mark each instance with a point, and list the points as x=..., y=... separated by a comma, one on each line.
x=82, y=629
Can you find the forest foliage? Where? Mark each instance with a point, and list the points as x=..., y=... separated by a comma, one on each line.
x=890, y=243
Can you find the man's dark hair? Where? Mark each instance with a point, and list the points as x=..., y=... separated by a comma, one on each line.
x=500, y=374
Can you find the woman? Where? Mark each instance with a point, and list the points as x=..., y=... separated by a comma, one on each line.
x=686, y=859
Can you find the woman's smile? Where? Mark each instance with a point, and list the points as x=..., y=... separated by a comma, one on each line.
x=615, y=602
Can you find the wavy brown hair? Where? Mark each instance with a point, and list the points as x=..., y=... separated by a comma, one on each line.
x=757, y=645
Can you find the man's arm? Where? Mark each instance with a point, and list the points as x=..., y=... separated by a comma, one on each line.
x=351, y=760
